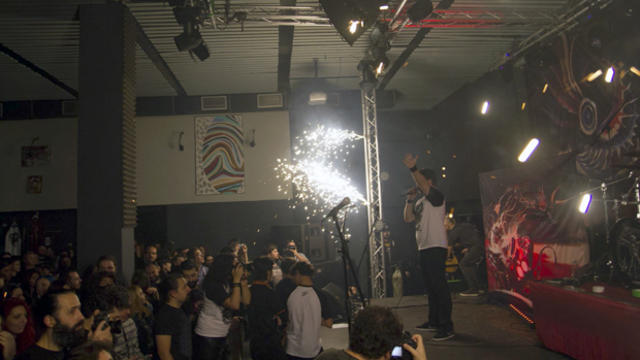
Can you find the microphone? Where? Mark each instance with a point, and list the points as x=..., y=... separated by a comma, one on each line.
x=346, y=201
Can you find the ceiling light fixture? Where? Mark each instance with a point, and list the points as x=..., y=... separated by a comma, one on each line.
x=528, y=150
x=485, y=108
x=351, y=18
x=594, y=75
x=610, y=74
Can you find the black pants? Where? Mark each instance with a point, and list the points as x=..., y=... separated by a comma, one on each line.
x=207, y=348
x=267, y=348
x=469, y=266
x=432, y=261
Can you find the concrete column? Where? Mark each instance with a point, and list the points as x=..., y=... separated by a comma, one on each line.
x=106, y=136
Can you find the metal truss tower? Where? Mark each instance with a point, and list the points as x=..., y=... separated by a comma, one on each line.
x=378, y=271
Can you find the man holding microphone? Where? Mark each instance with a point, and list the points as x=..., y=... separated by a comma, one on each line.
x=426, y=208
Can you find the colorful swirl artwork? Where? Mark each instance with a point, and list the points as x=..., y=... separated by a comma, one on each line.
x=219, y=155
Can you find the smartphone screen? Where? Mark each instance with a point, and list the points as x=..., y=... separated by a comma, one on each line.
x=396, y=352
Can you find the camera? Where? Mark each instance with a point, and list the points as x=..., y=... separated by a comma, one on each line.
x=116, y=325
x=291, y=247
x=398, y=351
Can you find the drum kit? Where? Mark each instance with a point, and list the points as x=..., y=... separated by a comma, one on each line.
x=621, y=258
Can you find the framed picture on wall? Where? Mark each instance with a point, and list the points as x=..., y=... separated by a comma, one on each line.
x=35, y=155
x=34, y=184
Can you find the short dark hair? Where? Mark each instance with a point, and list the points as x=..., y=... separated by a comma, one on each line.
x=429, y=175
x=47, y=305
x=105, y=258
x=270, y=248
x=221, y=268
x=261, y=268
x=376, y=330
x=90, y=350
x=188, y=265
x=106, y=299
x=168, y=284
x=303, y=269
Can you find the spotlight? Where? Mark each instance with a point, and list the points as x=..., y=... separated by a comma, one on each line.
x=485, y=108
x=351, y=17
x=545, y=88
x=524, y=105
x=420, y=10
x=635, y=70
x=584, y=203
x=384, y=7
x=610, y=74
x=382, y=64
x=201, y=51
x=189, y=39
x=594, y=75
x=528, y=150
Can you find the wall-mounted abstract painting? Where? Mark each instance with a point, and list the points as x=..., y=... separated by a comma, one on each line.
x=219, y=154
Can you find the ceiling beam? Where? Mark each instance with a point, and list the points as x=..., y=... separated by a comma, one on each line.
x=415, y=42
x=285, y=49
x=154, y=55
x=38, y=70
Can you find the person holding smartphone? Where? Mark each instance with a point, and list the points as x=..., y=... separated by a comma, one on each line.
x=376, y=334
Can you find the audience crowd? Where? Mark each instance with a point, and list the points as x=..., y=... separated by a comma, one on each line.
x=181, y=304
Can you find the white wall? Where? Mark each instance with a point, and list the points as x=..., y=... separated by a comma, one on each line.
x=59, y=176
x=165, y=174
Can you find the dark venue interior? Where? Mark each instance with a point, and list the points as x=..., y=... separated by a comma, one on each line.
x=332, y=179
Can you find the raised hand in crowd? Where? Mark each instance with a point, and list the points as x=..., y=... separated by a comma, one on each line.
x=8, y=343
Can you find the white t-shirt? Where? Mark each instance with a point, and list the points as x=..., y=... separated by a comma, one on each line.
x=213, y=320
x=305, y=308
x=430, y=212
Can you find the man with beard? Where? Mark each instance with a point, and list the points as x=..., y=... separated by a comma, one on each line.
x=60, y=324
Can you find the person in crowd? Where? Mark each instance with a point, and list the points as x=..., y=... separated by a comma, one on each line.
x=225, y=288
x=153, y=273
x=92, y=351
x=193, y=304
x=172, y=327
x=209, y=261
x=29, y=279
x=70, y=280
x=7, y=345
x=142, y=315
x=243, y=254
x=141, y=279
x=61, y=326
x=150, y=254
x=308, y=311
x=107, y=264
x=374, y=334
x=42, y=286
x=273, y=254
x=264, y=315
x=291, y=246
x=165, y=267
x=466, y=240
x=125, y=341
x=14, y=291
x=425, y=206
x=286, y=286
x=65, y=262
x=18, y=322
x=30, y=260
x=46, y=271
x=198, y=260
x=177, y=261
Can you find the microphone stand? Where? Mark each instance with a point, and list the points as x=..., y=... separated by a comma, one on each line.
x=346, y=262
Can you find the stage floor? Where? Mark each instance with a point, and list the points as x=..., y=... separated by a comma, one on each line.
x=483, y=331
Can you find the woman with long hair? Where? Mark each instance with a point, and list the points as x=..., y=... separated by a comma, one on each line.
x=19, y=323
x=142, y=315
x=225, y=288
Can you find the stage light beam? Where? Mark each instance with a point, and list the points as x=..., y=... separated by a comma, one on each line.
x=584, y=203
x=610, y=74
x=485, y=108
x=528, y=150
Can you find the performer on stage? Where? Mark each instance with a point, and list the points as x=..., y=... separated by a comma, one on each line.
x=426, y=207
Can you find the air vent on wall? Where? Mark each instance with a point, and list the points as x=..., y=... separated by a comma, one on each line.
x=69, y=108
x=266, y=101
x=217, y=103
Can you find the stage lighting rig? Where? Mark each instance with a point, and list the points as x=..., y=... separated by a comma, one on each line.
x=351, y=17
x=379, y=44
x=191, y=15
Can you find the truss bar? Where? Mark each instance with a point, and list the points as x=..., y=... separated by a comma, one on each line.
x=374, y=193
